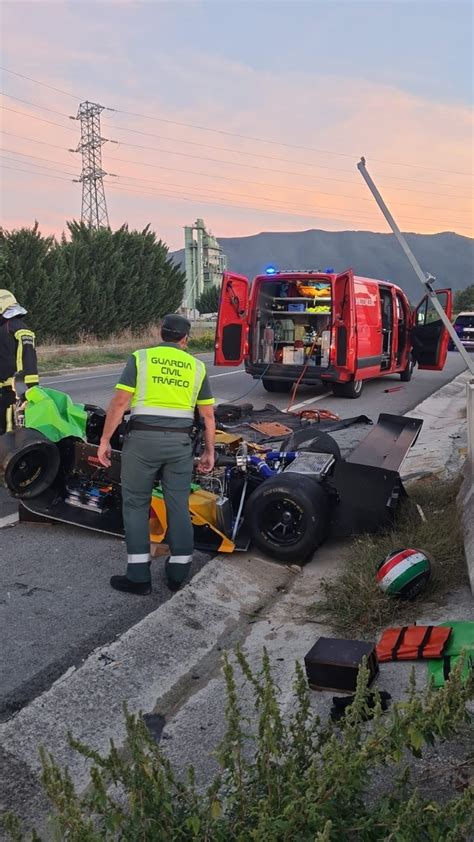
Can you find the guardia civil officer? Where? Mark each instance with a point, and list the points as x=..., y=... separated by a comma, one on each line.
x=162, y=385
x=17, y=354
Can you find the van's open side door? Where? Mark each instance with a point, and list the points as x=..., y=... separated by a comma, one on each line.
x=429, y=336
x=231, y=331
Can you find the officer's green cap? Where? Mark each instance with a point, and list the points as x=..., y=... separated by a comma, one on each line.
x=176, y=324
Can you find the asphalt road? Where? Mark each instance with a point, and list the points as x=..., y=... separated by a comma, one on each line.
x=56, y=605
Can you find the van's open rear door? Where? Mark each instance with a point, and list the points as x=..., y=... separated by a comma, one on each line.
x=343, y=320
x=231, y=331
x=429, y=336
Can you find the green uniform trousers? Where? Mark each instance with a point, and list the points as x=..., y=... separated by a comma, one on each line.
x=144, y=453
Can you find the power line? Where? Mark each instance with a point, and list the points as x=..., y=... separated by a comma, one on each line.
x=261, y=183
x=253, y=167
x=38, y=158
x=274, y=203
x=32, y=164
x=243, y=195
x=328, y=210
x=287, y=145
x=34, y=117
x=224, y=178
x=173, y=196
x=33, y=139
x=42, y=174
x=37, y=82
x=193, y=199
x=231, y=150
x=266, y=157
x=251, y=154
x=35, y=105
x=352, y=156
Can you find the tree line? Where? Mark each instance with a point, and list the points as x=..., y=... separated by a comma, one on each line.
x=91, y=282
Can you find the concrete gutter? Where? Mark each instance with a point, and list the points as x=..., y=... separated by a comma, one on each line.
x=151, y=665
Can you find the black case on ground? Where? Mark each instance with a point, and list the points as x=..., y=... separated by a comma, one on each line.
x=333, y=663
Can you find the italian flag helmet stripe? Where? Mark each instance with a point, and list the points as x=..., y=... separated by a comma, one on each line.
x=393, y=577
x=405, y=578
x=394, y=559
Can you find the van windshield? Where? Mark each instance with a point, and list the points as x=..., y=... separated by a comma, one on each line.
x=465, y=321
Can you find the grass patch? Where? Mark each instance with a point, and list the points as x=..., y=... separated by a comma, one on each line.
x=91, y=351
x=353, y=603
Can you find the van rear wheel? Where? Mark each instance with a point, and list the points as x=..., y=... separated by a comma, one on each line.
x=277, y=385
x=353, y=389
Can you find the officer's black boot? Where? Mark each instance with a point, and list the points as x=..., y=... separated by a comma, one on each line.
x=122, y=583
x=137, y=580
x=177, y=572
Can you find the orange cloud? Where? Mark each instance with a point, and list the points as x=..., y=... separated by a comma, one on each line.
x=241, y=186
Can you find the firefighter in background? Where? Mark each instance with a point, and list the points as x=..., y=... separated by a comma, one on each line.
x=17, y=354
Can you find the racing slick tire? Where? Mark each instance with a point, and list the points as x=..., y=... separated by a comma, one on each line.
x=352, y=389
x=29, y=462
x=407, y=373
x=288, y=517
x=284, y=386
x=312, y=441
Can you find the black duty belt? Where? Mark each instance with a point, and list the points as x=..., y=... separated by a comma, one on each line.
x=132, y=424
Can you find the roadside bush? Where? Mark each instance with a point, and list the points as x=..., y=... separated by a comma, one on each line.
x=208, y=301
x=98, y=282
x=296, y=779
x=204, y=342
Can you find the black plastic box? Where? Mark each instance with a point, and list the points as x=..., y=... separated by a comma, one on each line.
x=333, y=663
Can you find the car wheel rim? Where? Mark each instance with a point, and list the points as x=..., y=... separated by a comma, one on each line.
x=284, y=523
x=357, y=386
x=26, y=471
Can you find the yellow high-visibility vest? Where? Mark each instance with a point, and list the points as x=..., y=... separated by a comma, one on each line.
x=168, y=382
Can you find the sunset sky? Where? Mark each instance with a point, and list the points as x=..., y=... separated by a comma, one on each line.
x=250, y=114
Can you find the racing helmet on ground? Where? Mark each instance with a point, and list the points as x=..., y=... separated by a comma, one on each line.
x=404, y=573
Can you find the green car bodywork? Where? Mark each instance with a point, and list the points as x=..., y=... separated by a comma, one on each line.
x=54, y=414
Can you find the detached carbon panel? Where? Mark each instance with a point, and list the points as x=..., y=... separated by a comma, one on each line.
x=367, y=498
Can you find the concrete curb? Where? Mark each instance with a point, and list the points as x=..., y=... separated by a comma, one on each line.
x=441, y=447
x=466, y=494
x=151, y=665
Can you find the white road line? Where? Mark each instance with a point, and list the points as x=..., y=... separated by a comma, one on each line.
x=75, y=379
x=227, y=373
x=305, y=403
x=9, y=520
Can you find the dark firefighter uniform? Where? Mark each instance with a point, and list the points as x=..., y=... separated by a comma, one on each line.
x=17, y=354
x=167, y=384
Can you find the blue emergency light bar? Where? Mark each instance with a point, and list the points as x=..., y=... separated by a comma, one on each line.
x=270, y=270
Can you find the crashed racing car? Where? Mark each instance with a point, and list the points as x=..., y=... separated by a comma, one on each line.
x=285, y=500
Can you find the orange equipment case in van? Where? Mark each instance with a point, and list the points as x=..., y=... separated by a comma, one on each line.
x=339, y=328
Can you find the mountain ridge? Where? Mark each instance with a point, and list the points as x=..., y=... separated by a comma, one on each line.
x=446, y=255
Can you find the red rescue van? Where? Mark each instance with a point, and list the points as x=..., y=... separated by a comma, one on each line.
x=338, y=328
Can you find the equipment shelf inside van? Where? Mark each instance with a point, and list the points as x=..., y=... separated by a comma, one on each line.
x=292, y=324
